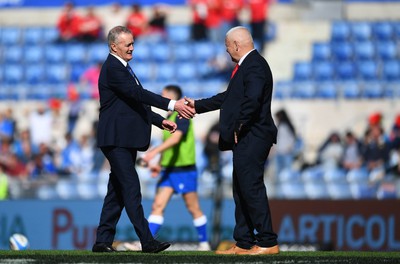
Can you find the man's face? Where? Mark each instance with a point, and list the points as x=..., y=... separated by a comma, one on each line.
x=123, y=47
x=231, y=48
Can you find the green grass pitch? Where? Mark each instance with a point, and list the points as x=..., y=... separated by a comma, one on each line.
x=76, y=256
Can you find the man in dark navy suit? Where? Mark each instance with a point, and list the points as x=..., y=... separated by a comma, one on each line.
x=124, y=128
x=247, y=128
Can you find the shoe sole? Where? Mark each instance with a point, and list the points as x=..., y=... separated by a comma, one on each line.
x=158, y=249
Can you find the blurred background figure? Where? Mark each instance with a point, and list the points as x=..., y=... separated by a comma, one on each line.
x=158, y=20
x=352, y=158
x=230, y=11
x=259, y=13
x=331, y=151
x=89, y=80
x=199, y=16
x=115, y=16
x=284, y=150
x=68, y=24
x=91, y=26
x=137, y=21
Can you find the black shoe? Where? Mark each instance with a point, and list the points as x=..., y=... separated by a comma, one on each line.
x=103, y=248
x=155, y=246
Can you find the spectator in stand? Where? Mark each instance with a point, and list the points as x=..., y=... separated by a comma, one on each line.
x=23, y=147
x=213, y=21
x=230, y=10
x=40, y=125
x=7, y=124
x=259, y=10
x=286, y=142
x=352, y=152
x=90, y=26
x=3, y=184
x=115, y=17
x=199, y=15
x=90, y=79
x=375, y=152
x=157, y=22
x=68, y=157
x=211, y=150
x=68, y=24
x=137, y=21
x=43, y=166
x=13, y=167
x=331, y=151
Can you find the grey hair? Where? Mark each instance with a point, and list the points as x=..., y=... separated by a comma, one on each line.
x=243, y=38
x=114, y=34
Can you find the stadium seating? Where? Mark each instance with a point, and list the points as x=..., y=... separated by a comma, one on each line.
x=321, y=51
x=386, y=50
x=302, y=71
x=364, y=50
x=13, y=74
x=323, y=71
x=54, y=53
x=340, y=31
x=11, y=36
x=33, y=54
x=383, y=31
x=33, y=35
x=14, y=54
x=361, y=31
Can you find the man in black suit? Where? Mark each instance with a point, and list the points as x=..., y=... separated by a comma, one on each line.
x=124, y=128
x=247, y=128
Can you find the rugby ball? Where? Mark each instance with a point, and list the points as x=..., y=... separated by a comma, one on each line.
x=18, y=242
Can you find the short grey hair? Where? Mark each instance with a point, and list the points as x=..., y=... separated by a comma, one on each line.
x=114, y=34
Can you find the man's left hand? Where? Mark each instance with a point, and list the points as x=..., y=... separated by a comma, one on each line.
x=169, y=125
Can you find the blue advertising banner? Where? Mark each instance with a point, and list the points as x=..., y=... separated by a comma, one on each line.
x=348, y=225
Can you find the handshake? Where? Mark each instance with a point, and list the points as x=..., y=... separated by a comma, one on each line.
x=185, y=108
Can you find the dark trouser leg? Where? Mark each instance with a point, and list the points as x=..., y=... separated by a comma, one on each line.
x=252, y=211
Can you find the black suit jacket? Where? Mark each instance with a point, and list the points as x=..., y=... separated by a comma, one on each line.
x=245, y=107
x=125, y=117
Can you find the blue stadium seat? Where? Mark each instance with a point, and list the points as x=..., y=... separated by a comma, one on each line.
x=396, y=28
x=33, y=54
x=211, y=87
x=161, y=52
x=11, y=36
x=316, y=190
x=46, y=192
x=283, y=90
x=182, y=52
x=98, y=52
x=323, y=71
x=204, y=51
x=164, y=72
x=40, y=91
x=383, y=30
x=362, y=190
x=342, y=51
x=66, y=189
x=321, y=51
x=386, y=50
x=54, y=53
x=289, y=175
x=292, y=190
x=361, y=31
x=334, y=175
x=87, y=190
x=302, y=71
x=327, y=90
x=75, y=53
x=357, y=175
x=339, y=190
x=304, y=90
x=77, y=70
x=13, y=54
x=367, y=70
x=142, y=52
x=179, y=33
x=350, y=89
x=392, y=89
x=35, y=73
x=387, y=190
x=33, y=35
x=346, y=70
x=340, y=31
x=50, y=35
x=364, y=50
x=271, y=31
x=13, y=74
x=57, y=74
x=186, y=71
x=144, y=71
x=391, y=70
x=373, y=89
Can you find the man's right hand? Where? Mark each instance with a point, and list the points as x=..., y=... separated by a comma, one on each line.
x=185, y=109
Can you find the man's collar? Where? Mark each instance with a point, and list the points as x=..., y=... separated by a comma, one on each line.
x=245, y=55
x=120, y=59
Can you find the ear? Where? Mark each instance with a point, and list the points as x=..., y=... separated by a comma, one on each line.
x=113, y=47
x=236, y=45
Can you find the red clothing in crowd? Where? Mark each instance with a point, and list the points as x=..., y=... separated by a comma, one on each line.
x=69, y=25
x=137, y=23
x=91, y=25
x=258, y=9
x=199, y=10
x=213, y=19
x=230, y=9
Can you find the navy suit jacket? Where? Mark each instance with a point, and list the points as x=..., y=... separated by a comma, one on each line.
x=125, y=117
x=245, y=106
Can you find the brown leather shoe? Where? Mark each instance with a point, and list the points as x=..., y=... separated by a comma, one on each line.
x=234, y=250
x=256, y=250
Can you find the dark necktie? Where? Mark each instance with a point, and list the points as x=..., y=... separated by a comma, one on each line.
x=130, y=70
x=235, y=70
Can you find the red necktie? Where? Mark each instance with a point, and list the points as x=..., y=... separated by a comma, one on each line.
x=235, y=70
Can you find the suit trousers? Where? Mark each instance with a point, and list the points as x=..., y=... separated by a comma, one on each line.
x=123, y=192
x=252, y=214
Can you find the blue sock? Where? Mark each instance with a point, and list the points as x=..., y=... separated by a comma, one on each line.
x=201, y=226
x=155, y=223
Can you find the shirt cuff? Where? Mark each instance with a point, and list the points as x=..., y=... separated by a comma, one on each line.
x=171, y=105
